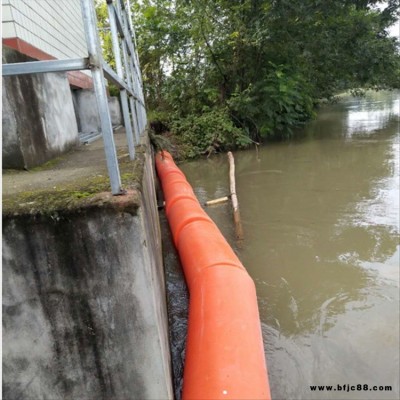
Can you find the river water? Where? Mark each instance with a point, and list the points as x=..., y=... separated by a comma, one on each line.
x=321, y=222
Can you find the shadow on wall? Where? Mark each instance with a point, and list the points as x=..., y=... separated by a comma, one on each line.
x=87, y=116
x=38, y=116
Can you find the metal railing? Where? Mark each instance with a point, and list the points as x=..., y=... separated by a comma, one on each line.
x=127, y=77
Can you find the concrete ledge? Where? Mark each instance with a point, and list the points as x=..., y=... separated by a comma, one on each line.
x=73, y=181
x=84, y=302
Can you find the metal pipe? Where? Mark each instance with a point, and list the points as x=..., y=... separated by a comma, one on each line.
x=96, y=59
x=124, y=99
x=114, y=78
x=132, y=65
x=130, y=18
x=125, y=34
x=130, y=78
x=137, y=92
x=40, y=67
x=132, y=99
x=130, y=47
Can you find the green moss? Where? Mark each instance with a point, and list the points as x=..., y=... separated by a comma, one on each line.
x=48, y=165
x=82, y=193
x=10, y=171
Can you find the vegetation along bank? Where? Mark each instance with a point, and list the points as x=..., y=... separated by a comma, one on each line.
x=221, y=74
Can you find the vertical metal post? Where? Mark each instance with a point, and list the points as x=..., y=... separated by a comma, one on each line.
x=129, y=76
x=128, y=3
x=96, y=60
x=136, y=103
x=144, y=117
x=132, y=101
x=123, y=94
x=135, y=81
x=132, y=33
x=136, y=68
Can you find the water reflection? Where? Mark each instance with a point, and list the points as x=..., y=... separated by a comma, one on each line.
x=321, y=221
x=371, y=114
x=375, y=116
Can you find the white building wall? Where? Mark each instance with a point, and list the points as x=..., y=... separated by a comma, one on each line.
x=53, y=26
x=8, y=24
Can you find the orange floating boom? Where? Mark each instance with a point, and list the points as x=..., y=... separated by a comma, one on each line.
x=224, y=350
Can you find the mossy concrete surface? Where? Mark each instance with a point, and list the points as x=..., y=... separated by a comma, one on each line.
x=84, y=302
x=76, y=180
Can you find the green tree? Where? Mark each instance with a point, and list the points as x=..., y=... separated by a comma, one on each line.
x=262, y=64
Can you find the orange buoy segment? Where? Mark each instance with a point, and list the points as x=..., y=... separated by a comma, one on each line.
x=224, y=351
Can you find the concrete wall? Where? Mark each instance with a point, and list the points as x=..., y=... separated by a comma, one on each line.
x=84, y=308
x=87, y=114
x=38, y=116
x=55, y=28
x=115, y=111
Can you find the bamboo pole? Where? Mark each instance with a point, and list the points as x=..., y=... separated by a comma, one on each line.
x=216, y=201
x=235, y=203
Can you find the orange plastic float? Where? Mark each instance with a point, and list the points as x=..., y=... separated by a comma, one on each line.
x=224, y=349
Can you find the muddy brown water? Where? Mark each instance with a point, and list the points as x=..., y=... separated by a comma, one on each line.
x=321, y=222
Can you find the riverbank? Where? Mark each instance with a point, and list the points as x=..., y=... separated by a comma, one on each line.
x=200, y=137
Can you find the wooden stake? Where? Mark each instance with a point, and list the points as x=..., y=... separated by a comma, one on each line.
x=235, y=203
x=216, y=201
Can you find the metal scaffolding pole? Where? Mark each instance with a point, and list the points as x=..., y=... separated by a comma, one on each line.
x=135, y=100
x=129, y=73
x=39, y=67
x=134, y=60
x=132, y=66
x=118, y=64
x=96, y=61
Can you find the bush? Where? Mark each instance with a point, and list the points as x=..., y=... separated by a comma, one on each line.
x=210, y=132
x=275, y=105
